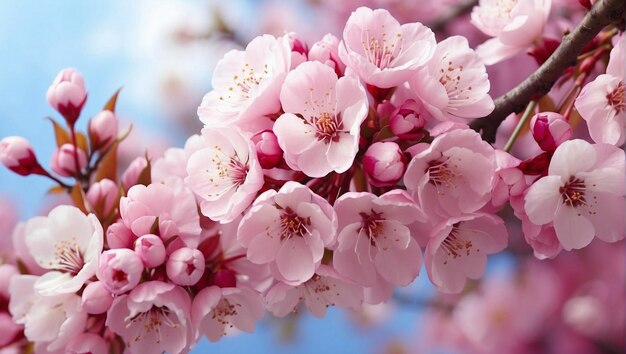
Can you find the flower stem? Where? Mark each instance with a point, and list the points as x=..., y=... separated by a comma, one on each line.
x=527, y=114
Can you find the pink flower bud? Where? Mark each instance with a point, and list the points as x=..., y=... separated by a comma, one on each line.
x=96, y=298
x=130, y=177
x=17, y=154
x=119, y=270
x=299, y=49
x=384, y=164
x=151, y=250
x=63, y=160
x=406, y=122
x=120, y=236
x=67, y=94
x=267, y=149
x=550, y=130
x=185, y=266
x=10, y=330
x=327, y=51
x=543, y=49
x=103, y=197
x=103, y=130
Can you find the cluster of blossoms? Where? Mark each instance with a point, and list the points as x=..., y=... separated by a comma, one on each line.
x=324, y=176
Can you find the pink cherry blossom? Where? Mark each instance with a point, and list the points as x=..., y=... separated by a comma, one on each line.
x=119, y=270
x=514, y=24
x=67, y=94
x=288, y=229
x=68, y=244
x=51, y=320
x=153, y=318
x=64, y=159
x=87, y=343
x=453, y=176
x=327, y=51
x=374, y=243
x=176, y=213
x=17, y=154
x=384, y=164
x=103, y=197
x=550, y=130
x=509, y=180
x=407, y=121
x=225, y=174
x=382, y=52
x=216, y=311
x=185, y=266
x=454, y=85
x=267, y=149
x=151, y=250
x=601, y=102
x=246, y=85
x=326, y=288
x=103, y=129
x=583, y=194
x=458, y=249
x=130, y=177
x=119, y=235
x=319, y=132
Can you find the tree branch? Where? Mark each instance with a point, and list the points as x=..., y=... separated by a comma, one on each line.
x=603, y=13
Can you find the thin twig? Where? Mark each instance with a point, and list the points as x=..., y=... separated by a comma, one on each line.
x=527, y=114
x=603, y=13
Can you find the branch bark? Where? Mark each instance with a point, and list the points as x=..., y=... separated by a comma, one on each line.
x=603, y=13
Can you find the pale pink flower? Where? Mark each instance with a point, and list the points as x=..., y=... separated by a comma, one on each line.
x=458, y=249
x=68, y=244
x=583, y=194
x=246, y=85
x=374, y=241
x=288, y=229
x=215, y=311
x=453, y=176
x=225, y=174
x=119, y=270
x=177, y=213
x=319, y=132
x=87, y=343
x=542, y=238
x=509, y=180
x=454, y=84
x=185, y=266
x=382, y=52
x=601, y=102
x=22, y=252
x=50, y=320
x=151, y=250
x=96, y=299
x=153, y=318
x=515, y=24
x=407, y=121
x=67, y=94
x=384, y=164
x=326, y=288
x=327, y=51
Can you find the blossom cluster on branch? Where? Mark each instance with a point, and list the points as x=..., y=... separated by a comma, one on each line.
x=325, y=175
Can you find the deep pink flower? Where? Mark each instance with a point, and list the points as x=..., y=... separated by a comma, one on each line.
x=374, y=243
x=515, y=24
x=185, y=266
x=326, y=288
x=246, y=85
x=407, y=121
x=67, y=243
x=550, y=130
x=288, y=229
x=452, y=176
x=177, y=213
x=217, y=310
x=154, y=318
x=382, y=52
x=458, y=249
x=225, y=173
x=454, y=84
x=583, y=194
x=319, y=132
x=17, y=154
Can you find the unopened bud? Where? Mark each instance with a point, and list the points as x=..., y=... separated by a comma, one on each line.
x=550, y=130
x=18, y=155
x=406, y=121
x=67, y=94
x=267, y=149
x=64, y=160
x=384, y=164
x=103, y=130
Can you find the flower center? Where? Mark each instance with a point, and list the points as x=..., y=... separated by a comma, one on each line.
x=440, y=174
x=68, y=257
x=616, y=98
x=244, y=84
x=573, y=192
x=228, y=172
x=381, y=51
x=152, y=320
x=455, y=246
x=372, y=225
x=223, y=310
x=327, y=127
x=292, y=225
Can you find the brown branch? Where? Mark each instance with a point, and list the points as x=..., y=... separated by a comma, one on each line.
x=603, y=13
x=440, y=23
